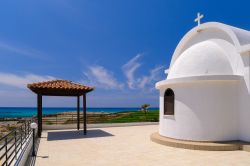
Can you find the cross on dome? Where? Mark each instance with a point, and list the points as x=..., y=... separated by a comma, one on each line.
x=198, y=19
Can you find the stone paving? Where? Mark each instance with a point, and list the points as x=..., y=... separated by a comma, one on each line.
x=125, y=146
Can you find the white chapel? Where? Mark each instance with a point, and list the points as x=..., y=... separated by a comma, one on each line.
x=206, y=95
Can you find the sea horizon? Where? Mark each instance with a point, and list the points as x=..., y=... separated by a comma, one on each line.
x=24, y=112
x=64, y=107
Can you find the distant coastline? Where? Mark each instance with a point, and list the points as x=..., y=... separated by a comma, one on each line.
x=25, y=112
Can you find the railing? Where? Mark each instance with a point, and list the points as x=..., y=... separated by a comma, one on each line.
x=12, y=144
x=70, y=118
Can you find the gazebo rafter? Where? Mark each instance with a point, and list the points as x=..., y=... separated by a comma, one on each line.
x=60, y=88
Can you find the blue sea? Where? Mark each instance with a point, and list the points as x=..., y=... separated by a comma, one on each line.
x=21, y=112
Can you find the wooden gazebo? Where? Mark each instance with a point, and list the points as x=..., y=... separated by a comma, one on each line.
x=60, y=88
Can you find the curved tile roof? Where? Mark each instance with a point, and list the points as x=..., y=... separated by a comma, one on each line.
x=59, y=88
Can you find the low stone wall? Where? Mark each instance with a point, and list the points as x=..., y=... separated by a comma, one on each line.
x=99, y=125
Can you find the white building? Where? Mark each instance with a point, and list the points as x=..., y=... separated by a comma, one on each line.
x=206, y=95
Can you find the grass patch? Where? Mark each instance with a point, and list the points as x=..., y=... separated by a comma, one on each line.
x=137, y=116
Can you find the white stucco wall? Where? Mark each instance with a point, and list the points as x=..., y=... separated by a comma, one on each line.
x=244, y=94
x=210, y=75
x=204, y=111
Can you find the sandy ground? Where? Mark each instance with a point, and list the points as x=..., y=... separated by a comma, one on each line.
x=125, y=146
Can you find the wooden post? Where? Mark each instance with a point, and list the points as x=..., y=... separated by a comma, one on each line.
x=78, y=112
x=39, y=115
x=84, y=115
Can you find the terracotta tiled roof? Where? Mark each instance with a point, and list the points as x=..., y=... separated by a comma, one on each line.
x=59, y=87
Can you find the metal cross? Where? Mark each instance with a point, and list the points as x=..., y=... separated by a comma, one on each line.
x=198, y=19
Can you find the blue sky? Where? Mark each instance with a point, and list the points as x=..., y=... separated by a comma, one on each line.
x=121, y=47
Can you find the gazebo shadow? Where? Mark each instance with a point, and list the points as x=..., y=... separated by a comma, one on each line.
x=66, y=135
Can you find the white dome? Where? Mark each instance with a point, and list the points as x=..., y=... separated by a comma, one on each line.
x=204, y=58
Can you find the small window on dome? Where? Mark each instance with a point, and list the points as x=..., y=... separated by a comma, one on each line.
x=169, y=102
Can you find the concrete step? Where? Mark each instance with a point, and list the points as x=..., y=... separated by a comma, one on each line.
x=195, y=145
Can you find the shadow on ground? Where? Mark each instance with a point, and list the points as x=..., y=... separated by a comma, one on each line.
x=65, y=135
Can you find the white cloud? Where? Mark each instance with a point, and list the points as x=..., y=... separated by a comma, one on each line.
x=99, y=76
x=20, y=50
x=102, y=78
x=21, y=81
x=129, y=70
x=140, y=82
x=151, y=78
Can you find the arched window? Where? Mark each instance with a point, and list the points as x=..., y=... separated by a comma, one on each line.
x=169, y=102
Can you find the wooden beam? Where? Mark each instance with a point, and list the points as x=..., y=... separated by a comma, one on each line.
x=84, y=115
x=78, y=112
x=39, y=115
x=60, y=92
